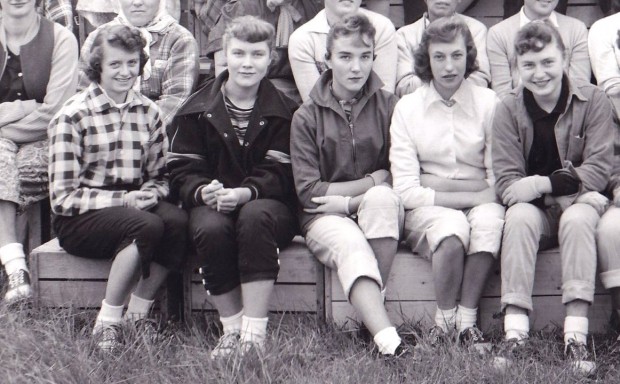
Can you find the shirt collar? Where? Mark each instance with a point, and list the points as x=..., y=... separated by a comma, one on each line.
x=523, y=19
x=462, y=98
x=101, y=101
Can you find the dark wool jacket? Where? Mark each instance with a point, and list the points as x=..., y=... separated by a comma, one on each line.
x=204, y=146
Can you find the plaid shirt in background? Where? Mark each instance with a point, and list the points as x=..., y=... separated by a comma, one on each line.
x=59, y=11
x=174, y=58
x=98, y=150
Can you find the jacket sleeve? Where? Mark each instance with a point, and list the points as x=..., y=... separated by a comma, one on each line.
x=188, y=160
x=272, y=178
x=301, y=56
x=387, y=55
x=406, y=79
x=507, y=150
x=604, y=53
x=499, y=62
x=595, y=169
x=305, y=158
x=579, y=67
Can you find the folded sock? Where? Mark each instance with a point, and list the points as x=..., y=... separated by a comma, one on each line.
x=516, y=326
x=232, y=324
x=446, y=319
x=108, y=315
x=138, y=308
x=387, y=340
x=13, y=258
x=576, y=327
x=253, y=329
x=465, y=317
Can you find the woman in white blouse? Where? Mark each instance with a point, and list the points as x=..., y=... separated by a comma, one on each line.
x=441, y=165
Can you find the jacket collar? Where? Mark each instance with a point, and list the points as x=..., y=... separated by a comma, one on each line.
x=322, y=95
x=101, y=101
x=574, y=91
x=209, y=97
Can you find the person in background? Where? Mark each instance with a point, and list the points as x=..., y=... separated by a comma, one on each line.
x=351, y=218
x=231, y=168
x=441, y=165
x=408, y=38
x=307, y=45
x=38, y=73
x=172, y=69
x=501, y=50
x=285, y=16
x=512, y=7
x=108, y=184
x=59, y=11
x=604, y=46
x=552, y=155
x=415, y=9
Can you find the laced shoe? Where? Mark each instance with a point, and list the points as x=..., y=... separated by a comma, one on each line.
x=472, y=338
x=437, y=337
x=506, y=352
x=109, y=338
x=19, y=286
x=226, y=346
x=147, y=330
x=401, y=353
x=579, y=357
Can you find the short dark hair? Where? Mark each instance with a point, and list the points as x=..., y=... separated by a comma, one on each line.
x=444, y=30
x=118, y=36
x=250, y=29
x=535, y=36
x=355, y=24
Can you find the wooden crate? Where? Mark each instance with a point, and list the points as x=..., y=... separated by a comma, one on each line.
x=410, y=295
x=299, y=287
x=62, y=280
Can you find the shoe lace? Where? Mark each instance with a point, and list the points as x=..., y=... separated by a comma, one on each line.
x=17, y=278
x=577, y=351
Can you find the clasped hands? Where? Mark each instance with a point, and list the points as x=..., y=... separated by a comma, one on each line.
x=221, y=199
x=142, y=200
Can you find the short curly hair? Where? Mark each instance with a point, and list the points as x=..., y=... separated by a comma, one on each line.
x=355, y=24
x=535, y=36
x=250, y=29
x=118, y=36
x=444, y=30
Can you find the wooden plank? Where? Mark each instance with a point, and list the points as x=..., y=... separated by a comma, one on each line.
x=588, y=13
x=548, y=311
x=64, y=266
x=286, y=297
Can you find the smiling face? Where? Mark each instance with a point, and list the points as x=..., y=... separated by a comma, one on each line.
x=17, y=8
x=539, y=9
x=541, y=72
x=351, y=62
x=247, y=64
x=119, y=70
x=441, y=8
x=448, y=64
x=140, y=12
x=338, y=9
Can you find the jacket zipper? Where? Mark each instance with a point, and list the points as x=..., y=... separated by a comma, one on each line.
x=354, y=147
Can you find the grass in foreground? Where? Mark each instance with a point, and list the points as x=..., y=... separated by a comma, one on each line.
x=54, y=346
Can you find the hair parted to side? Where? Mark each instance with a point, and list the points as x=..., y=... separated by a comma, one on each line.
x=444, y=30
x=535, y=36
x=250, y=29
x=352, y=25
x=118, y=36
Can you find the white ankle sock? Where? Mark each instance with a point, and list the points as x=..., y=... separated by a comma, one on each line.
x=446, y=319
x=108, y=315
x=516, y=326
x=253, y=329
x=13, y=258
x=232, y=324
x=465, y=318
x=576, y=327
x=138, y=308
x=387, y=340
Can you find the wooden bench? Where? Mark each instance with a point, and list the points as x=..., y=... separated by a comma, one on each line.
x=299, y=287
x=62, y=280
x=410, y=295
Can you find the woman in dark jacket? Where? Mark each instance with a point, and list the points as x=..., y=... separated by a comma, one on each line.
x=230, y=166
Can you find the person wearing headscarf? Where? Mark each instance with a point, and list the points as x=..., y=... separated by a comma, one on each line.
x=170, y=73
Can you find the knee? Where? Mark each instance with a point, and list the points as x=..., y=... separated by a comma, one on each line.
x=210, y=230
x=579, y=216
x=521, y=214
x=150, y=228
x=255, y=214
x=451, y=245
x=381, y=195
